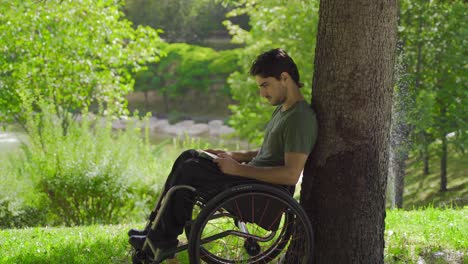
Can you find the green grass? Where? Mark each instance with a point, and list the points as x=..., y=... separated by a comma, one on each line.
x=92, y=244
x=432, y=234
x=85, y=244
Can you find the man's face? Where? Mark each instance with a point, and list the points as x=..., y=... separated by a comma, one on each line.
x=272, y=89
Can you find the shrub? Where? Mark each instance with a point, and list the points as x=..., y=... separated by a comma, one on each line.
x=17, y=215
x=90, y=174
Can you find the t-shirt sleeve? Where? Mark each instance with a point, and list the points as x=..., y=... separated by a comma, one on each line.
x=300, y=132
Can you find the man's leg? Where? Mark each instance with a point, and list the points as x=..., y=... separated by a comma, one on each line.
x=202, y=174
x=188, y=154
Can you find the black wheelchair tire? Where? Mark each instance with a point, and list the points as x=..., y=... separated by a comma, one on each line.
x=198, y=253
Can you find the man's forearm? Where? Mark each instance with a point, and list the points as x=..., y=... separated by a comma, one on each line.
x=276, y=175
x=243, y=156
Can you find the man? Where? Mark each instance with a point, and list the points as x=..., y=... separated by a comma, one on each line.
x=289, y=138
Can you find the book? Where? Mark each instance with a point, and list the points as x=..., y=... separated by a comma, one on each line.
x=207, y=155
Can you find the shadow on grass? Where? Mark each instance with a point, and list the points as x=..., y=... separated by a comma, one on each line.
x=455, y=197
x=423, y=190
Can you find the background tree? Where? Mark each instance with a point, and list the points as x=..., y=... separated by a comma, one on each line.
x=189, y=21
x=278, y=23
x=412, y=22
x=434, y=36
x=449, y=83
x=188, y=71
x=68, y=54
x=403, y=102
x=344, y=181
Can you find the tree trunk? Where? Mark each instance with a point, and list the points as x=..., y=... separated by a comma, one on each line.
x=345, y=178
x=425, y=157
x=443, y=156
x=399, y=136
x=399, y=170
x=396, y=177
x=443, y=165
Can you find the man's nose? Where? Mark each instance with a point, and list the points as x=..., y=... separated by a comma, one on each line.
x=263, y=92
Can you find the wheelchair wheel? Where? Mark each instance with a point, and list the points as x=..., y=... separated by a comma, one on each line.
x=251, y=224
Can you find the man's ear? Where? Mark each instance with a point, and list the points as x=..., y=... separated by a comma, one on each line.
x=285, y=76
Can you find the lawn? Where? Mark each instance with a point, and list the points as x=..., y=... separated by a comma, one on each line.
x=435, y=235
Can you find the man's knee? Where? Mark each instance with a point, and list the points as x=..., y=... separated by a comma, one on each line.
x=189, y=165
x=188, y=154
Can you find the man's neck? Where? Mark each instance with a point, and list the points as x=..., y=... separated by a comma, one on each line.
x=293, y=97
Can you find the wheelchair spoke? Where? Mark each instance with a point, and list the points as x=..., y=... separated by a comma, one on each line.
x=271, y=231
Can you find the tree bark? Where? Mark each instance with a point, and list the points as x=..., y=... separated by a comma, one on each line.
x=443, y=165
x=399, y=136
x=443, y=156
x=345, y=178
x=425, y=157
x=396, y=172
x=399, y=171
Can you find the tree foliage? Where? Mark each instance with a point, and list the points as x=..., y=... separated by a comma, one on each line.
x=434, y=36
x=188, y=69
x=190, y=21
x=69, y=54
x=274, y=24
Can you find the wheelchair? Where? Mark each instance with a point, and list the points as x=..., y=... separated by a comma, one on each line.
x=252, y=223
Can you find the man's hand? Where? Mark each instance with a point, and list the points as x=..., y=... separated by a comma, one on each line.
x=215, y=151
x=237, y=156
x=227, y=164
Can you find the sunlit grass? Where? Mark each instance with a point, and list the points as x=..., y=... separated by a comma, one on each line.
x=427, y=233
x=91, y=244
x=431, y=234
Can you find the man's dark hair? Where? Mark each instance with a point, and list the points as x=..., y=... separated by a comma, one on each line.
x=274, y=62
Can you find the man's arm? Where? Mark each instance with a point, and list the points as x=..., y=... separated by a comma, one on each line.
x=243, y=156
x=287, y=175
x=239, y=156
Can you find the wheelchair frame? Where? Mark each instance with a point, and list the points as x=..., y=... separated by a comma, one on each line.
x=211, y=207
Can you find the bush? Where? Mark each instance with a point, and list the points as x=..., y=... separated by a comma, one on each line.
x=16, y=215
x=90, y=174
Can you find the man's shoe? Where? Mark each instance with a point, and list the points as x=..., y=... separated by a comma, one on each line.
x=136, y=232
x=137, y=242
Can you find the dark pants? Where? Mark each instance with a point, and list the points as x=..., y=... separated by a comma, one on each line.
x=200, y=173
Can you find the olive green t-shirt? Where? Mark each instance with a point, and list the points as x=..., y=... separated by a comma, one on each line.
x=294, y=130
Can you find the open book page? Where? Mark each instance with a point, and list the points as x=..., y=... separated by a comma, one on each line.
x=207, y=155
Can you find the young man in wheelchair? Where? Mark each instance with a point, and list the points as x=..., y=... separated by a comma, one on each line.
x=289, y=138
